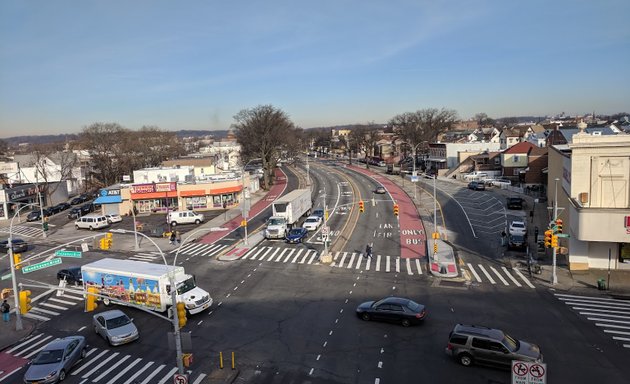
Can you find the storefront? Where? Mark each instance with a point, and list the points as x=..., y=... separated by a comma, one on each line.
x=154, y=197
x=225, y=197
x=14, y=198
x=110, y=201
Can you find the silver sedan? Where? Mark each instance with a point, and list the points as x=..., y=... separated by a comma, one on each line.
x=115, y=327
x=54, y=362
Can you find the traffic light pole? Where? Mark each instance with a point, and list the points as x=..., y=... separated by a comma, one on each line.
x=554, y=276
x=178, y=340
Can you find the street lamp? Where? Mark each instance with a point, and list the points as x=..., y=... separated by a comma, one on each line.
x=554, y=276
x=415, y=147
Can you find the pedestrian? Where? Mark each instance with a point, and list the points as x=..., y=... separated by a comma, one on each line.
x=178, y=237
x=172, y=238
x=5, y=311
x=368, y=250
x=503, y=236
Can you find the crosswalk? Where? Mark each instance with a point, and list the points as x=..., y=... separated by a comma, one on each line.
x=104, y=365
x=496, y=275
x=53, y=306
x=478, y=273
x=23, y=230
x=611, y=315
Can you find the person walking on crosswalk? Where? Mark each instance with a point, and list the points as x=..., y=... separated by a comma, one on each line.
x=368, y=250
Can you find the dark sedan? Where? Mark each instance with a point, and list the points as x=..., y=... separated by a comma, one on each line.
x=393, y=309
x=296, y=235
x=79, y=199
x=72, y=275
x=61, y=207
x=74, y=213
x=18, y=245
x=87, y=208
x=36, y=214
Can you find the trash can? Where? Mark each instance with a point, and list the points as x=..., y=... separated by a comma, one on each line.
x=601, y=284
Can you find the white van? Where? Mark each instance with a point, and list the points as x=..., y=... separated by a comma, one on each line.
x=184, y=217
x=91, y=222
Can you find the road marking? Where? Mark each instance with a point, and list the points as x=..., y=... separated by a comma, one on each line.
x=351, y=260
x=398, y=265
x=199, y=379
x=297, y=254
x=99, y=366
x=54, y=306
x=281, y=253
x=312, y=257
x=88, y=363
x=486, y=273
x=262, y=257
x=37, y=309
x=289, y=255
x=408, y=264
x=343, y=258
x=114, y=367
x=27, y=341
x=169, y=376
x=472, y=270
x=359, y=260
x=33, y=346
x=378, y=263
x=61, y=301
x=601, y=310
x=273, y=254
x=613, y=325
x=524, y=278
x=419, y=266
x=146, y=381
x=511, y=277
x=368, y=263
x=595, y=306
x=599, y=314
x=335, y=259
x=499, y=275
x=387, y=263
x=254, y=255
x=622, y=302
x=595, y=302
x=305, y=256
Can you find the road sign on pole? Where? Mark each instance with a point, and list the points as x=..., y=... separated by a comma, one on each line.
x=68, y=254
x=180, y=378
x=325, y=230
x=524, y=372
x=42, y=265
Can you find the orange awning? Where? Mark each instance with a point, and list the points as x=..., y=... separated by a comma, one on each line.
x=153, y=195
x=194, y=192
x=219, y=191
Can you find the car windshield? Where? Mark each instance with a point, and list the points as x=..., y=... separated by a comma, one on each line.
x=295, y=232
x=276, y=221
x=313, y=220
x=511, y=343
x=117, y=322
x=49, y=357
x=186, y=286
x=518, y=238
x=516, y=224
x=414, y=306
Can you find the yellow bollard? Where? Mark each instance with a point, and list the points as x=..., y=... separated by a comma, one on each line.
x=221, y=360
x=232, y=360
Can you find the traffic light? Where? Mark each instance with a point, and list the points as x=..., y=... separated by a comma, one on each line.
x=109, y=240
x=395, y=209
x=17, y=259
x=104, y=244
x=434, y=247
x=181, y=314
x=90, y=303
x=325, y=215
x=361, y=206
x=548, y=235
x=554, y=241
x=559, y=226
x=25, y=302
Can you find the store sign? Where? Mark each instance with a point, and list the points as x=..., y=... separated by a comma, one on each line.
x=143, y=188
x=9, y=168
x=165, y=187
x=22, y=192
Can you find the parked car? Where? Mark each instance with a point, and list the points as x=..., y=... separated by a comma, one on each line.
x=517, y=241
x=477, y=186
x=476, y=344
x=476, y=176
x=184, y=217
x=74, y=213
x=87, y=208
x=34, y=216
x=62, y=207
x=312, y=223
x=296, y=235
x=499, y=182
x=77, y=200
x=380, y=190
x=514, y=202
x=517, y=228
x=115, y=327
x=113, y=218
x=53, y=363
x=318, y=212
x=91, y=222
x=72, y=275
x=393, y=309
x=18, y=245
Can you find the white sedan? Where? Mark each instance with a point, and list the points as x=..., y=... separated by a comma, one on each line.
x=518, y=228
x=113, y=218
x=312, y=223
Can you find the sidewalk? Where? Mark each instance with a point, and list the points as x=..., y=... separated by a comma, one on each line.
x=8, y=334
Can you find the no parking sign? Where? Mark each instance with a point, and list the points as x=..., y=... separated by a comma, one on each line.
x=524, y=372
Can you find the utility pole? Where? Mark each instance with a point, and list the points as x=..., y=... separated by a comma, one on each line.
x=434, y=217
x=554, y=276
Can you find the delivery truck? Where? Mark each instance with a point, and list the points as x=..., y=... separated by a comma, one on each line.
x=143, y=284
x=286, y=211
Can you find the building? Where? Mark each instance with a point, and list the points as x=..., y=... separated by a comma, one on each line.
x=591, y=176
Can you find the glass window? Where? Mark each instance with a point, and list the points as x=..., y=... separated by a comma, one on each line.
x=480, y=343
x=624, y=252
x=497, y=347
x=459, y=339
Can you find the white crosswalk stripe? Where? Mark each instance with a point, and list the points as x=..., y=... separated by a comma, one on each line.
x=341, y=259
x=507, y=277
x=611, y=315
x=24, y=230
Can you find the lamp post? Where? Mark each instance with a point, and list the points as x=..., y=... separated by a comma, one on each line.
x=18, y=315
x=554, y=276
x=434, y=217
x=415, y=155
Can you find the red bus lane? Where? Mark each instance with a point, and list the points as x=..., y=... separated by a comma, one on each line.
x=413, y=237
x=275, y=191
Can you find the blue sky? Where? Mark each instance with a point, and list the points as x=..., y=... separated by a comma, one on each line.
x=195, y=64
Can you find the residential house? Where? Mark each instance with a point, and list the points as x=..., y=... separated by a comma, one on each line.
x=511, y=136
x=524, y=162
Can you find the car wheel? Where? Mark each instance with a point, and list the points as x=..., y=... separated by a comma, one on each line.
x=405, y=322
x=197, y=221
x=173, y=223
x=91, y=229
x=465, y=359
x=106, y=301
x=62, y=375
x=110, y=342
x=76, y=226
x=365, y=316
x=83, y=353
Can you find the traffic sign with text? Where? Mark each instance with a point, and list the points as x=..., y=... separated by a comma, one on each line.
x=68, y=254
x=42, y=265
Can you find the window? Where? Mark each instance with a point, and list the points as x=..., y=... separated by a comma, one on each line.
x=459, y=339
x=395, y=307
x=515, y=159
x=481, y=343
x=497, y=347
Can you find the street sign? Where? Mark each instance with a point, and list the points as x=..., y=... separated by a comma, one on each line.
x=42, y=265
x=524, y=372
x=325, y=230
x=68, y=254
x=6, y=277
x=180, y=378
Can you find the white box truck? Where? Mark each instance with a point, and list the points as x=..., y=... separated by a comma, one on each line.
x=286, y=211
x=144, y=284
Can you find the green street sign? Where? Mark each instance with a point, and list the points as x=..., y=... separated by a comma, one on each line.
x=68, y=254
x=6, y=277
x=42, y=265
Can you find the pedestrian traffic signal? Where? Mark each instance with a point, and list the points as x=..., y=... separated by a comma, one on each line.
x=396, y=210
x=361, y=206
x=559, y=226
x=181, y=314
x=90, y=300
x=17, y=259
x=325, y=215
x=25, y=302
x=434, y=247
x=554, y=241
x=548, y=235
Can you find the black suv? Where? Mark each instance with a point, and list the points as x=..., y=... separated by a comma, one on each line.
x=473, y=343
x=514, y=202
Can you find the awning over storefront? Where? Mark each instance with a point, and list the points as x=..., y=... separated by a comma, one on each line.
x=195, y=192
x=153, y=195
x=219, y=191
x=108, y=200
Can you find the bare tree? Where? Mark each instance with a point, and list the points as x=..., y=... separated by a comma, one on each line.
x=422, y=126
x=262, y=131
x=483, y=120
x=53, y=166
